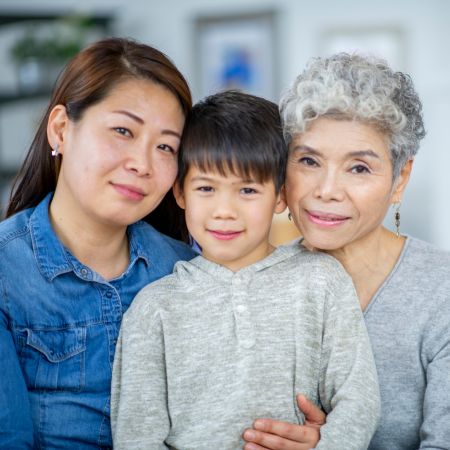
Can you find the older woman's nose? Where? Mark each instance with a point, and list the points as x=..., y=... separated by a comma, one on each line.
x=329, y=187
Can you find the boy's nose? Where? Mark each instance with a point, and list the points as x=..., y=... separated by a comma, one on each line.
x=224, y=209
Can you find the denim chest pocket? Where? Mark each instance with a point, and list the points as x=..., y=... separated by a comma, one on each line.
x=53, y=360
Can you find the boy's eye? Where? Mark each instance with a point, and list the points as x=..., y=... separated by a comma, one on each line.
x=205, y=189
x=248, y=191
x=123, y=131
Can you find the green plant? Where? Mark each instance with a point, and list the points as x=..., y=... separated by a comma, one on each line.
x=65, y=40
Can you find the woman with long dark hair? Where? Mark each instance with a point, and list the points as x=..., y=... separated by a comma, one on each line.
x=74, y=250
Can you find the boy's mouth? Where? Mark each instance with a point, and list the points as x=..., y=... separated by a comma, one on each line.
x=225, y=235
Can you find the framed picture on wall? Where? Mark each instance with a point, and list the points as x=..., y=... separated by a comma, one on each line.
x=236, y=52
x=384, y=41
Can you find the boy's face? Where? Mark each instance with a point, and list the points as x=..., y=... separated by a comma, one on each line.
x=228, y=216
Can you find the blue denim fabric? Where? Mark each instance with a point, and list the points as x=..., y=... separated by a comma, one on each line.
x=59, y=322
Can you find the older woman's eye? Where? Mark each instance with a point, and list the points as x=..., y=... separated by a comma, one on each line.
x=307, y=161
x=360, y=169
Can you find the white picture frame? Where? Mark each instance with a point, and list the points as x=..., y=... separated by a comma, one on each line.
x=236, y=52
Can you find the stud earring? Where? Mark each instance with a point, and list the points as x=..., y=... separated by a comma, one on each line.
x=55, y=151
x=290, y=216
x=397, y=219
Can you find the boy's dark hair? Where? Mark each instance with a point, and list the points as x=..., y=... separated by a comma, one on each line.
x=235, y=132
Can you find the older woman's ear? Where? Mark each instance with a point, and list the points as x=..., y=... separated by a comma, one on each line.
x=401, y=182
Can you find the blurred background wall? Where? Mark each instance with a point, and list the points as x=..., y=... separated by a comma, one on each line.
x=258, y=45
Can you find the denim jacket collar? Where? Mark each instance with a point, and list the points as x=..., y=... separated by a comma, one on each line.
x=54, y=259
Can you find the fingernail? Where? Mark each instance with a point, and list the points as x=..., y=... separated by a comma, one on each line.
x=259, y=424
x=249, y=434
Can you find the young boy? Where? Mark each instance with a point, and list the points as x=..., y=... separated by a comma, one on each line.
x=236, y=333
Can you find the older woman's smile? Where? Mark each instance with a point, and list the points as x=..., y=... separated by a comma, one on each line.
x=326, y=219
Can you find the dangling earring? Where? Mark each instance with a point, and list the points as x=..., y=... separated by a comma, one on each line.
x=397, y=219
x=290, y=216
x=55, y=150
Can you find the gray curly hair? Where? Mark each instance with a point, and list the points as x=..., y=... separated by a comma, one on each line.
x=346, y=86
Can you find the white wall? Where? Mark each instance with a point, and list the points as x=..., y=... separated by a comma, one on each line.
x=169, y=25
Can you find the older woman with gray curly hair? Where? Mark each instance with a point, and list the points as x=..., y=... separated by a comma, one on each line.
x=353, y=127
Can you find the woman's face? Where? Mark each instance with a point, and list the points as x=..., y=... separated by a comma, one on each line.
x=120, y=159
x=339, y=182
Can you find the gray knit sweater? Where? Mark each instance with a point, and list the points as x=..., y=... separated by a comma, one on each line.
x=205, y=351
x=408, y=321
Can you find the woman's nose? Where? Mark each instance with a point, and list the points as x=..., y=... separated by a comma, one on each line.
x=329, y=187
x=140, y=160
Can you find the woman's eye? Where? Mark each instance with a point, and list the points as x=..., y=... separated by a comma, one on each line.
x=360, y=169
x=167, y=148
x=248, y=191
x=123, y=131
x=307, y=161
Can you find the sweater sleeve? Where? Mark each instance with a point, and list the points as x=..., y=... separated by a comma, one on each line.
x=139, y=411
x=435, y=429
x=348, y=386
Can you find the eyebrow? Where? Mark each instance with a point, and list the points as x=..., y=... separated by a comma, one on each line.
x=354, y=154
x=141, y=122
x=211, y=179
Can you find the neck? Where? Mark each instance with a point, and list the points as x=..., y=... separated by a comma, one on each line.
x=102, y=248
x=369, y=261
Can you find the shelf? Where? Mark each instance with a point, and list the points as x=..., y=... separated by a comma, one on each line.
x=19, y=96
x=102, y=20
x=7, y=174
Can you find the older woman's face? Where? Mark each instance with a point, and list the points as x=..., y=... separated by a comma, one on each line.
x=339, y=182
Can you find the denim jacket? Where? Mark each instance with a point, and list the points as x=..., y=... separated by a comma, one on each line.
x=59, y=322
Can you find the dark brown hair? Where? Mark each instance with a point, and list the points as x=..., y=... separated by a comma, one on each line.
x=86, y=80
x=236, y=132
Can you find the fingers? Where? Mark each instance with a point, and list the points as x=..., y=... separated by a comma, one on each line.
x=275, y=435
x=313, y=414
x=253, y=446
x=286, y=430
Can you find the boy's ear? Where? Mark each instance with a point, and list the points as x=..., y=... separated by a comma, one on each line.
x=178, y=194
x=57, y=127
x=281, y=204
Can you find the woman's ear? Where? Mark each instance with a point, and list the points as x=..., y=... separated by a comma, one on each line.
x=401, y=182
x=178, y=194
x=281, y=203
x=57, y=126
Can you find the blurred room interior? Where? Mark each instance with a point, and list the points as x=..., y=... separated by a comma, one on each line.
x=255, y=45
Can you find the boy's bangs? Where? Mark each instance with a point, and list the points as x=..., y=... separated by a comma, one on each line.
x=225, y=161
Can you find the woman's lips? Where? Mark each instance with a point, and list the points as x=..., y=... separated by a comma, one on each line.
x=224, y=235
x=324, y=219
x=130, y=192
